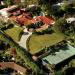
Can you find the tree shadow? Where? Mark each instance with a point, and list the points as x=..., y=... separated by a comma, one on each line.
x=70, y=71
x=25, y=33
x=63, y=48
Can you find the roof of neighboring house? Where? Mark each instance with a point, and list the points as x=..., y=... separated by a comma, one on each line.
x=9, y=8
x=5, y=11
x=13, y=66
x=71, y=19
x=60, y=56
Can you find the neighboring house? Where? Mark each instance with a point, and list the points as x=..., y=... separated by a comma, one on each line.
x=14, y=66
x=58, y=5
x=30, y=6
x=59, y=56
x=70, y=20
x=6, y=11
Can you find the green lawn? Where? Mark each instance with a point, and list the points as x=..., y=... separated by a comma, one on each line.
x=15, y=33
x=37, y=42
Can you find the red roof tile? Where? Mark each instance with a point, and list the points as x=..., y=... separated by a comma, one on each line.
x=26, y=19
x=13, y=66
x=44, y=20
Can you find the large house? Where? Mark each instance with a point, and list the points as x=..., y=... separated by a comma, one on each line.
x=25, y=19
x=14, y=66
x=70, y=20
x=59, y=56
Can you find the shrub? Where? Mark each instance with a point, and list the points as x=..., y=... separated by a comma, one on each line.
x=2, y=6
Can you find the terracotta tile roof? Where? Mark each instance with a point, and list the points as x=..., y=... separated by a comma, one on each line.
x=23, y=19
x=12, y=18
x=13, y=66
x=27, y=20
x=44, y=19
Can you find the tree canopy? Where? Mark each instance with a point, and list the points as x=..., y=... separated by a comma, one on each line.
x=8, y=2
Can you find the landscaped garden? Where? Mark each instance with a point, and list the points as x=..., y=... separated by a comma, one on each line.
x=36, y=42
x=15, y=33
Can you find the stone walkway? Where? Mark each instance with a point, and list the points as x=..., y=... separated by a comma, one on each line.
x=24, y=38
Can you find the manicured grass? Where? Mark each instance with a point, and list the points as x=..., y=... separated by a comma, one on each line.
x=15, y=33
x=37, y=42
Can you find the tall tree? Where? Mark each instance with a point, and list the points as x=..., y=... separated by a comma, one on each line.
x=8, y=2
x=60, y=25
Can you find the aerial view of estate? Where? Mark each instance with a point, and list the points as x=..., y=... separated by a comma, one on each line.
x=37, y=37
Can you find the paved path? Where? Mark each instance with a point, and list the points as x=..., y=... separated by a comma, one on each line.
x=24, y=38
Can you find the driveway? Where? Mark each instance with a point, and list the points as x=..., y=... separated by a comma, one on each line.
x=24, y=38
